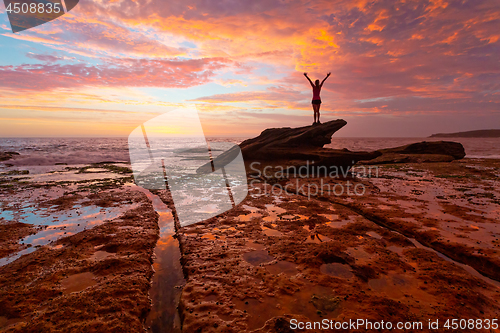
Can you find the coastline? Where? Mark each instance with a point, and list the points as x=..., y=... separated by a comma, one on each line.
x=281, y=257
x=88, y=247
x=273, y=258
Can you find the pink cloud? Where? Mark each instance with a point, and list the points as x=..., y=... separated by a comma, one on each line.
x=120, y=73
x=48, y=57
x=385, y=56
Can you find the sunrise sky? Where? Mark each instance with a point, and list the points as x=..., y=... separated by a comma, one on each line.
x=399, y=68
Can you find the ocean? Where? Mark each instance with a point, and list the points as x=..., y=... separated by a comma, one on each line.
x=75, y=151
x=474, y=147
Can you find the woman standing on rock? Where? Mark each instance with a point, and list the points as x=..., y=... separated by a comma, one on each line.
x=316, y=101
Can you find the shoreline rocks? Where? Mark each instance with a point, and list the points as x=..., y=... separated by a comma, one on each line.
x=292, y=148
x=420, y=152
x=302, y=146
x=7, y=155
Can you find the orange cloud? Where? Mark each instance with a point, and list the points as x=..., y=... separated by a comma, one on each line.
x=385, y=56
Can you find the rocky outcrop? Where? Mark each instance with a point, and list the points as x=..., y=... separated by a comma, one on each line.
x=295, y=147
x=420, y=152
x=282, y=141
x=4, y=156
x=454, y=149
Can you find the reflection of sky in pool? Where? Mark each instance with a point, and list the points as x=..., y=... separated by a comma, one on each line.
x=57, y=224
x=7, y=215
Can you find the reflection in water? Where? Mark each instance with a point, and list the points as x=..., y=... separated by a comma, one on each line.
x=57, y=224
x=337, y=222
x=256, y=246
x=254, y=213
x=396, y=286
x=213, y=237
x=317, y=238
x=273, y=212
x=361, y=256
x=374, y=234
x=296, y=217
x=168, y=278
x=397, y=249
x=271, y=232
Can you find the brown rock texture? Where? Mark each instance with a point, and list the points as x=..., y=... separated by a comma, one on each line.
x=402, y=251
x=7, y=155
x=10, y=233
x=294, y=147
x=94, y=281
x=420, y=152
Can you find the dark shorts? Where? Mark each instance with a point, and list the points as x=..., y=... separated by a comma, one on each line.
x=316, y=101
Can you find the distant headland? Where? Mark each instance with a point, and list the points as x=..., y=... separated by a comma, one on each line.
x=490, y=133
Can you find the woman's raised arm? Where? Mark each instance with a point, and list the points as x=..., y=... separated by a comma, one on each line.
x=307, y=77
x=327, y=75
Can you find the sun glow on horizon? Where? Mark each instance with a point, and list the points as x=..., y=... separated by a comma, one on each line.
x=99, y=71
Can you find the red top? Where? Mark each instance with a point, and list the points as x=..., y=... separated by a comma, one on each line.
x=316, y=91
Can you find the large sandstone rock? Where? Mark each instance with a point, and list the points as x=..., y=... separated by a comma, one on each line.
x=454, y=149
x=285, y=148
x=420, y=152
x=294, y=148
x=274, y=143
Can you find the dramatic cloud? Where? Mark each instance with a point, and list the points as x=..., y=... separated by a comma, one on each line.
x=45, y=57
x=387, y=57
x=121, y=73
x=438, y=49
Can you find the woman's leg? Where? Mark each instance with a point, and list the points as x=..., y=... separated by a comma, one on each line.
x=317, y=111
x=316, y=114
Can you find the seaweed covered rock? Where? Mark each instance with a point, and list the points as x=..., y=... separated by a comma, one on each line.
x=7, y=155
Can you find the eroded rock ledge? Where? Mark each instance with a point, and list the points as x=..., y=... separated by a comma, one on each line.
x=303, y=146
x=420, y=152
x=295, y=147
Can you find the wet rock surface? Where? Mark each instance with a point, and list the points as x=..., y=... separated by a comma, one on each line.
x=421, y=242
x=405, y=250
x=10, y=233
x=7, y=155
x=93, y=279
x=420, y=152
